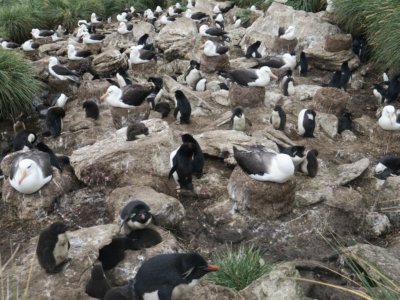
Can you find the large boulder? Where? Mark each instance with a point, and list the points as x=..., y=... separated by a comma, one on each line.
x=310, y=28
x=145, y=70
x=179, y=40
x=388, y=203
x=123, y=117
x=338, y=42
x=210, y=64
x=331, y=101
x=385, y=137
x=40, y=203
x=241, y=96
x=42, y=41
x=107, y=161
x=93, y=90
x=109, y=61
x=279, y=284
x=167, y=211
x=70, y=283
x=205, y=290
x=261, y=200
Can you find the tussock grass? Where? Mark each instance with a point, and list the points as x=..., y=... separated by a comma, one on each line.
x=308, y=5
x=379, y=22
x=18, y=83
x=239, y=267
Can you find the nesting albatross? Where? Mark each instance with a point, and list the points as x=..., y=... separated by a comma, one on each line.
x=278, y=62
x=127, y=96
x=214, y=49
x=60, y=71
x=250, y=77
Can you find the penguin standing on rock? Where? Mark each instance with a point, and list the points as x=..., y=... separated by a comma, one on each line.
x=346, y=75
x=182, y=165
x=193, y=73
x=306, y=123
x=54, y=120
x=345, y=123
x=183, y=108
x=310, y=165
x=98, y=286
x=52, y=248
x=297, y=153
x=136, y=131
x=91, y=109
x=278, y=118
x=238, y=120
x=24, y=140
x=288, y=87
x=303, y=65
x=336, y=81
x=380, y=93
x=252, y=50
x=135, y=215
x=198, y=158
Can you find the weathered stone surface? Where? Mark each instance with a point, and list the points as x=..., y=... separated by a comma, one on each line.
x=364, y=125
x=261, y=200
x=349, y=172
x=211, y=64
x=93, y=90
x=305, y=92
x=283, y=46
x=167, y=211
x=378, y=223
x=44, y=41
x=331, y=101
x=145, y=70
x=221, y=97
x=95, y=48
x=71, y=282
x=205, y=290
x=33, y=55
x=357, y=82
x=67, y=87
x=211, y=143
x=328, y=123
x=41, y=203
x=76, y=64
x=338, y=42
x=332, y=61
x=348, y=136
x=276, y=285
x=45, y=49
x=242, y=63
x=246, y=96
x=387, y=200
x=109, y=61
x=384, y=137
x=123, y=117
x=106, y=162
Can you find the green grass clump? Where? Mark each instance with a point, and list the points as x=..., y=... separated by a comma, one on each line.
x=18, y=84
x=379, y=21
x=308, y=5
x=261, y=4
x=239, y=267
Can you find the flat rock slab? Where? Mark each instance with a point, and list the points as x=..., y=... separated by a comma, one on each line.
x=123, y=117
x=364, y=125
x=210, y=64
x=145, y=70
x=338, y=42
x=246, y=96
x=347, y=173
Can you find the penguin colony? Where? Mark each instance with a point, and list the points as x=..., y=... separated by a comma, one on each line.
x=169, y=276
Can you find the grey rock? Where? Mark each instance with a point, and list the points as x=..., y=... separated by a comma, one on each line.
x=364, y=125
x=328, y=123
x=109, y=61
x=357, y=82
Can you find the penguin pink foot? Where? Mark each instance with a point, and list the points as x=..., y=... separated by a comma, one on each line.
x=178, y=123
x=178, y=187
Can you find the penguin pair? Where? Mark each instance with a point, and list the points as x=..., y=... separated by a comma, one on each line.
x=380, y=93
x=52, y=248
x=183, y=108
x=393, y=90
x=341, y=78
x=238, y=120
x=306, y=122
x=387, y=166
x=54, y=120
x=181, y=161
x=345, y=123
x=164, y=277
x=303, y=65
x=297, y=153
x=136, y=131
x=252, y=51
x=193, y=74
x=98, y=285
x=284, y=76
x=91, y=109
x=24, y=140
x=278, y=118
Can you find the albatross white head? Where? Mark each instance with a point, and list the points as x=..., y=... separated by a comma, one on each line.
x=52, y=61
x=203, y=29
x=28, y=178
x=209, y=49
x=35, y=32
x=188, y=13
x=388, y=120
x=4, y=44
x=133, y=54
x=158, y=9
x=265, y=72
x=122, y=28
x=113, y=96
x=290, y=34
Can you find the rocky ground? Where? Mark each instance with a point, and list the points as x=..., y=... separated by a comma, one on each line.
x=289, y=221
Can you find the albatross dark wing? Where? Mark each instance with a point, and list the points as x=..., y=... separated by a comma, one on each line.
x=271, y=61
x=63, y=70
x=221, y=49
x=250, y=161
x=46, y=32
x=215, y=31
x=42, y=159
x=244, y=76
x=146, y=54
x=84, y=53
x=135, y=94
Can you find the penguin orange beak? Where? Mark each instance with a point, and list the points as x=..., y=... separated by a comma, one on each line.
x=273, y=76
x=127, y=51
x=201, y=47
x=211, y=268
x=23, y=175
x=391, y=119
x=104, y=96
x=143, y=216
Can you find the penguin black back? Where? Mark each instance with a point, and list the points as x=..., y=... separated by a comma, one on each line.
x=391, y=167
x=54, y=121
x=393, y=89
x=163, y=108
x=345, y=123
x=98, y=286
x=198, y=159
x=303, y=65
x=156, y=80
x=52, y=248
x=288, y=87
x=309, y=123
x=162, y=273
x=143, y=39
x=111, y=254
x=278, y=118
x=183, y=108
x=336, y=80
x=126, y=292
x=346, y=75
x=24, y=138
x=145, y=238
x=253, y=49
x=223, y=86
x=312, y=162
x=136, y=131
x=91, y=109
x=182, y=165
x=53, y=158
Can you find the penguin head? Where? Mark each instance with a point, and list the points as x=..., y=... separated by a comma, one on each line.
x=238, y=112
x=84, y=67
x=302, y=55
x=136, y=211
x=288, y=73
x=298, y=151
x=337, y=76
x=179, y=96
x=348, y=115
x=97, y=271
x=195, y=266
x=345, y=64
x=58, y=228
x=58, y=111
x=293, y=53
x=277, y=108
x=156, y=80
x=187, y=138
x=257, y=44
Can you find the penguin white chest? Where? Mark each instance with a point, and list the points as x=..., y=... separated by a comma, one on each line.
x=276, y=120
x=291, y=88
x=132, y=226
x=60, y=251
x=239, y=124
x=182, y=289
x=304, y=166
x=378, y=96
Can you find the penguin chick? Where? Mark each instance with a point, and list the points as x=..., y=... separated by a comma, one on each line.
x=297, y=153
x=145, y=238
x=163, y=108
x=52, y=248
x=345, y=123
x=91, y=109
x=98, y=286
x=111, y=254
x=336, y=80
x=252, y=50
x=288, y=87
x=183, y=108
x=346, y=75
x=198, y=158
x=200, y=85
x=54, y=120
x=278, y=118
x=303, y=65
x=181, y=165
x=53, y=158
x=310, y=165
x=238, y=120
x=136, y=131
x=24, y=140
x=135, y=215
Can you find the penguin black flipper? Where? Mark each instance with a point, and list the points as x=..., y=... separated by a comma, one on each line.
x=174, y=168
x=50, y=263
x=111, y=254
x=248, y=121
x=176, y=111
x=145, y=238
